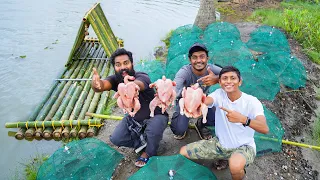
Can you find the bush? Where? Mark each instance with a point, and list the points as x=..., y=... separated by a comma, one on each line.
x=300, y=20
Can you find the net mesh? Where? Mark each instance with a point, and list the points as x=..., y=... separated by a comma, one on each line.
x=158, y=169
x=258, y=80
x=228, y=52
x=154, y=68
x=268, y=39
x=287, y=68
x=173, y=67
x=270, y=142
x=89, y=158
x=221, y=31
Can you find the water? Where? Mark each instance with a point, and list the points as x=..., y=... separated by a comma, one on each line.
x=44, y=32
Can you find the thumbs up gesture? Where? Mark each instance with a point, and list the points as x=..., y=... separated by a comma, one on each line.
x=209, y=79
x=96, y=82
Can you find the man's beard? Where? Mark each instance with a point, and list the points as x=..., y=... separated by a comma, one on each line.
x=119, y=76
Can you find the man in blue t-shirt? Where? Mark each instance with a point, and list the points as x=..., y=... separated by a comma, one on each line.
x=125, y=134
x=198, y=71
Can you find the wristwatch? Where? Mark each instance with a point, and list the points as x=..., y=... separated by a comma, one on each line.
x=247, y=122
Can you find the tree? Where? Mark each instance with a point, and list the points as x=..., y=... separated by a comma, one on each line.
x=206, y=14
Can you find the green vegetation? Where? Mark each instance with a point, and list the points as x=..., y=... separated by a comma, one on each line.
x=166, y=39
x=318, y=94
x=316, y=131
x=22, y=57
x=300, y=20
x=31, y=167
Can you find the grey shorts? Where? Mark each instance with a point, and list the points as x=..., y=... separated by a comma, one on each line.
x=212, y=149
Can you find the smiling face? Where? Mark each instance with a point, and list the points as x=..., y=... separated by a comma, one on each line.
x=199, y=60
x=123, y=66
x=230, y=82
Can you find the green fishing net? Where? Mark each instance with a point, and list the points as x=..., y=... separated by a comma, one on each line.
x=89, y=158
x=182, y=39
x=154, y=68
x=180, y=48
x=270, y=142
x=268, y=39
x=227, y=52
x=258, y=80
x=221, y=31
x=158, y=168
x=173, y=67
x=286, y=67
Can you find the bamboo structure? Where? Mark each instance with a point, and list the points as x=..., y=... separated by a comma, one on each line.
x=62, y=111
x=62, y=123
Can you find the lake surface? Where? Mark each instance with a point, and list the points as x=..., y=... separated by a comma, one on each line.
x=44, y=32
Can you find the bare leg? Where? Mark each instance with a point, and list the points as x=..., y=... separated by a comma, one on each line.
x=236, y=165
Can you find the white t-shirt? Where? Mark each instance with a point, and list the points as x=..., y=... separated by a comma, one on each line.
x=234, y=135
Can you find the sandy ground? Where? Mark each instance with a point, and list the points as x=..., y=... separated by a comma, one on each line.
x=296, y=111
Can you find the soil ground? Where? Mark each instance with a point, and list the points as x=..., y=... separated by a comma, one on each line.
x=295, y=109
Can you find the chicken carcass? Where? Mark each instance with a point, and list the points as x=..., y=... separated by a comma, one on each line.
x=192, y=103
x=165, y=95
x=128, y=97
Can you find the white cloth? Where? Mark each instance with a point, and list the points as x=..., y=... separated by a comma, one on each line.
x=234, y=135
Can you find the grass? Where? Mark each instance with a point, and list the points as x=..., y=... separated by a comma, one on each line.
x=31, y=167
x=316, y=131
x=300, y=20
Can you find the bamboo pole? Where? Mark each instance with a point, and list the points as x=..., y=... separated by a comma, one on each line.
x=83, y=130
x=290, y=143
x=60, y=89
x=47, y=133
x=67, y=99
x=73, y=110
x=74, y=69
x=83, y=86
x=84, y=73
x=105, y=29
x=103, y=116
x=62, y=123
x=48, y=102
x=74, y=131
x=119, y=118
x=80, y=36
x=92, y=131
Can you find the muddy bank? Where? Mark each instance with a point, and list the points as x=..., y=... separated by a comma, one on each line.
x=296, y=111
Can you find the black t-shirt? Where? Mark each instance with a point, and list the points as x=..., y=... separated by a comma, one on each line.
x=145, y=96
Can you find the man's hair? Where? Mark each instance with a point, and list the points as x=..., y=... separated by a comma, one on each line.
x=119, y=52
x=196, y=47
x=230, y=69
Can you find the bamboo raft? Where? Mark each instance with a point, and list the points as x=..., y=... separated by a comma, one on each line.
x=71, y=97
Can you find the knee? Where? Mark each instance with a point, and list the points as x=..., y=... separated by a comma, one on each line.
x=114, y=140
x=183, y=151
x=236, y=165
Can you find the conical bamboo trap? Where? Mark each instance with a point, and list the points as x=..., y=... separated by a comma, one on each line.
x=62, y=111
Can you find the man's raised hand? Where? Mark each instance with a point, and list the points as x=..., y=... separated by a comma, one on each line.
x=96, y=82
x=234, y=116
x=209, y=79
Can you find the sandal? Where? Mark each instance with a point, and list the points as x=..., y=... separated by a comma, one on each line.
x=203, y=131
x=179, y=137
x=141, y=159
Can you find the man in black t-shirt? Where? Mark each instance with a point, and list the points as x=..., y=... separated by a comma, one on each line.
x=125, y=133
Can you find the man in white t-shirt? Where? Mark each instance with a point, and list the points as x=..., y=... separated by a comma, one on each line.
x=238, y=116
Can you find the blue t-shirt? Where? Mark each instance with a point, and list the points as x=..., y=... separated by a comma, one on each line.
x=185, y=78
